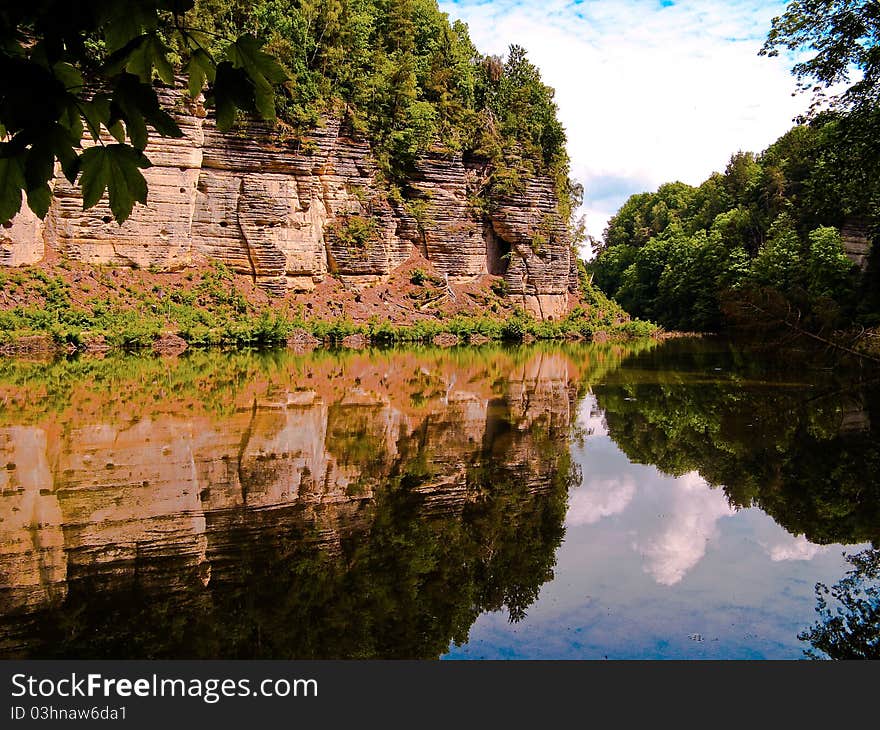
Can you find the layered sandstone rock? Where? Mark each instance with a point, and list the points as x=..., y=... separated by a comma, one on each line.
x=529, y=226
x=288, y=212
x=857, y=239
x=21, y=239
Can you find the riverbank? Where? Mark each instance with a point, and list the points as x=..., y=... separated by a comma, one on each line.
x=67, y=307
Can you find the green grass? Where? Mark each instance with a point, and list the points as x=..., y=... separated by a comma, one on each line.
x=213, y=314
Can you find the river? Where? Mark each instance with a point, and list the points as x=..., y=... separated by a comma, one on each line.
x=648, y=500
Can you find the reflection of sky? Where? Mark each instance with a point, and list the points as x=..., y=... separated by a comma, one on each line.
x=654, y=566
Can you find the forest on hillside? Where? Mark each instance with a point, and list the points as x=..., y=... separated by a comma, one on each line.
x=404, y=75
x=760, y=243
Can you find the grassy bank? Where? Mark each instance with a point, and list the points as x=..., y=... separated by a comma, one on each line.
x=73, y=307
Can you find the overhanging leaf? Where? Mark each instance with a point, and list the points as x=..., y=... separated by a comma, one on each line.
x=71, y=119
x=231, y=90
x=39, y=199
x=11, y=185
x=247, y=53
x=225, y=114
x=148, y=54
x=136, y=103
x=127, y=21
x=262, y=70
x=96, y=112
x=39, y=166
x=200, y=67
x=117, y=131
x=69, y=76
x=116, y=169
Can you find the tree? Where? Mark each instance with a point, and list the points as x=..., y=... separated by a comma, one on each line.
x=88, y=66
x=779, y=263
x=829, y=270
x=842, y=35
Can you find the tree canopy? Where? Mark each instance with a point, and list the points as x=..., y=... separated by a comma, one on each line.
x=78, y=74
x=86, y=68
x=842, y=40
x=409, y=79
x=770, y=221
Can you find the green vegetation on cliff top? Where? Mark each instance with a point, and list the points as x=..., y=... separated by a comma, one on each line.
x=406, y=77
x=397, y=71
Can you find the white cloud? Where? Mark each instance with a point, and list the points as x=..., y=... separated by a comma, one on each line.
x=591, y=418
x=599, y=498
x=794, y=548
x=649, y=91
x=692, y=514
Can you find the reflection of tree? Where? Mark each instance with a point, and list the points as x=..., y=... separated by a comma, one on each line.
x=402, y=584
x=454, y=527
x=849, y=624
x=808, y=455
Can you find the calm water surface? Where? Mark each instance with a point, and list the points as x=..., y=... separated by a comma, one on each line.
x=675, y=500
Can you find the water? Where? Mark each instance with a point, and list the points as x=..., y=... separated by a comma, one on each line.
x=675, y=500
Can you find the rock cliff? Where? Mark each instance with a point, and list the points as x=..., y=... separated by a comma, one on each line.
x=290, y=212
x=856, y=235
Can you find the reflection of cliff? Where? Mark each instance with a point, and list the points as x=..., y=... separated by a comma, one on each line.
x=358, y=505
x=805, y=451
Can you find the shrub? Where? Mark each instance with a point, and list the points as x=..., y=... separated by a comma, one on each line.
x=355, y=231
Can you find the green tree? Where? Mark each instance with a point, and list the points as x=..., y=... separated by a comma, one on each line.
x=838, y=36
x=71, y=68
x=779, y=263
x=741, y=177
x=640, y=282
x=646, y=215
x=751, y=232
x=829, y=270
x=699, y=267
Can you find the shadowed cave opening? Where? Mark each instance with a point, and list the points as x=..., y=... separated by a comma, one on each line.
x=497, y=253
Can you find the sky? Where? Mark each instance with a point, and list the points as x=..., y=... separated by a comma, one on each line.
x=649, y=91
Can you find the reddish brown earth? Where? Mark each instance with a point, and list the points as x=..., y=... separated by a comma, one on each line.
x=397, y=300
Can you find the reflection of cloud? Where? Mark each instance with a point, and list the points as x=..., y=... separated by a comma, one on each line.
x=794, y=548
x=599, y=498
x=693, y=509
x=591, y=418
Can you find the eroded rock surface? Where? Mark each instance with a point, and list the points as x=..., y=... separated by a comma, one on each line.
x=290, y=212
x=856, y=235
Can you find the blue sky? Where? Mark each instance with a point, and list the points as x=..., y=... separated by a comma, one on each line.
x=649, y=91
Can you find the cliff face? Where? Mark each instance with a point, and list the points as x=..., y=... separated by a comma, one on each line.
x=290, y=213
x=110, y=498
x=856, y=236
